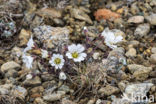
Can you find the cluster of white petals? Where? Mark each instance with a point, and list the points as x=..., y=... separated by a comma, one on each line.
x=57, y=61
x=30, y=44
x=110, y=39
x=28, y=60
x=76, y=52
x=62, y=76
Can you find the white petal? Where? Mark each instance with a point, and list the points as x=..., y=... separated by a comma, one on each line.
x=30, y=43
x=77, y=59
x=60, y=66
x=52, y=64
x=118, y=39
x=63, y=61
x=57, y=55
x=83, y=55
x=28, y=60
x=54, y=56
x=110, y=37
x=61, y=57
x=69, y=55
x=80, y=48
x=71, y=48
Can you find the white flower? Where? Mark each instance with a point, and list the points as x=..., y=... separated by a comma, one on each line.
x=76, y=53
x=30, y=45
x=62, y=76
x=110, y=38
x=29, y=76
x=44, y=53
x=28, y=60
x=57, y=61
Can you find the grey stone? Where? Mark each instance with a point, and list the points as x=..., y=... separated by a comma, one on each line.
x=9, y=65
x=131, y=52
x=142, y=30
x=139, y=72
x=108, y=90
x=12, y=73
x=153, y=50
x=151, y=19
x=136, y=19
x=32, y=82
x=80, y=14
x=19, y=92
x=53, y=97
x=141, y=88
x=153, y=58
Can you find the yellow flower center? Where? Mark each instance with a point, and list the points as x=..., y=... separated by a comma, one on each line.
x=75, y=55
x=57, y=61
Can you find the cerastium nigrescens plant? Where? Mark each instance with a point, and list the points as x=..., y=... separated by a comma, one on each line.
x=58, y=59
x=70, y=62
x=66, y=59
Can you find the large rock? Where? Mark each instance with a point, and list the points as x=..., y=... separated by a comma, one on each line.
x=139, y=72
x=135, y=67
x=132, y=93
x=32, y=82
x=115, y=61
x=80, y=14
x=142, y=30
x=136, y=19
x=153, y=58
x=5, y=89
x=19, y=91
x=141, y=88
x=108, y=90
x=151, y=19
x=36, y=91
x=11, y=73
x=52, y=36
x=9, y=65
x=153, y=50
x=49, y=13
x=153, y=3
x=131, y=52
x=53, y=97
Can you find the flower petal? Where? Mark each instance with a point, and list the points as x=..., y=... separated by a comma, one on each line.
x=83, y=55
x=71, y=48
x=80, y=48
x=69, y=55
x=77, y=59
x=118, y=39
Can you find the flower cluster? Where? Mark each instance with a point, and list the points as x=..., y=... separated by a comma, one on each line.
x=75, y=53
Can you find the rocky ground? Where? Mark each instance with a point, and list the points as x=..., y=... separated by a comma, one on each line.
x=115, y=41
